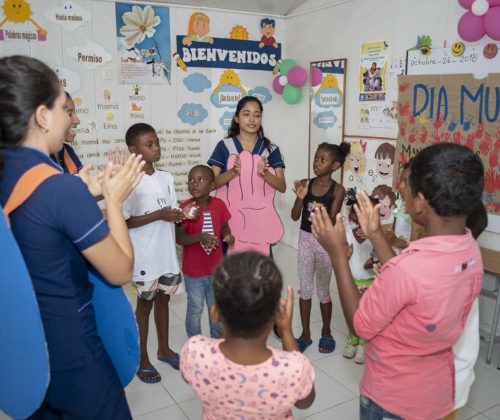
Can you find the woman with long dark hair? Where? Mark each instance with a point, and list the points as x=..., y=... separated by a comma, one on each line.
x=60, y=230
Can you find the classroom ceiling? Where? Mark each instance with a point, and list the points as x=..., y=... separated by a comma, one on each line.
x=271, y=7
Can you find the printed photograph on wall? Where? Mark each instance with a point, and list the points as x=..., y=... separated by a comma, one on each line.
x=369, y=167
x=143, y=35
x=373, y=71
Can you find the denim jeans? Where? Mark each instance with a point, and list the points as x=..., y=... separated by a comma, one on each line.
x=370, y=410
x=199, y=290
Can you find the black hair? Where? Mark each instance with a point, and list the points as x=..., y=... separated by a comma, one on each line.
x=25, y=84
x=477, y=220
x=337, y=152
x=350, y=199
x=206, y=169
x=247, y=289
x=135, y=131
x=234, y=128
x=450, y=177
x=68, y=96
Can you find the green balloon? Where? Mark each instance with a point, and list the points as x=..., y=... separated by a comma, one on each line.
x=286, y=66
x=292, y=94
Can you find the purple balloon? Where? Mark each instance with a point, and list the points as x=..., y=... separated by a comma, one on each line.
x=471, y=27
x=276, y=85
x=492, y=23
x=316, y=76
x=297, y=76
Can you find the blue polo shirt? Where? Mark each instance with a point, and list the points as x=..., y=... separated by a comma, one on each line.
x=221, y=154
x=57, y=222
x=72, y=154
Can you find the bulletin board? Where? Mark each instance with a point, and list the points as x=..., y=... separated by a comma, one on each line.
x=184, y=84
x=438, y=104
x=369, y=166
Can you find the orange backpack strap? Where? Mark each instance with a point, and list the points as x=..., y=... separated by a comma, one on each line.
x=26, y=185
x=68, y=162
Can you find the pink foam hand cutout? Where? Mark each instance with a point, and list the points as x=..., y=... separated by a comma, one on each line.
x=254, y=222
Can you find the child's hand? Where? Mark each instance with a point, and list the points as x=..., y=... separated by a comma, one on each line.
x=369, y=263
x=192, y=211
x=117, y=187
x=349, y=250
x=229, y=239
x=236, y=169
x=284, y=314
x=209, y=241
x=368, y=215
x=332, y=238
x=377, y=267
x=263, y=167
x=93, y=182
x=172, y=215
x=300, y=189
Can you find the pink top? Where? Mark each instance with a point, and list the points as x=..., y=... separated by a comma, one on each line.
x=412, y=315
x=232, y=391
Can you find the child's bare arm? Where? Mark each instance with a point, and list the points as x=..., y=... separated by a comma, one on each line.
x=307, y=401
x=300, y=190
x=167, y=214
x=183, y=238
x=226, y=234
x=337, y=202
x=284, y=316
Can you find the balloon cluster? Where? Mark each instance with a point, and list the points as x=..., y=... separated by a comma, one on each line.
x=483, y=18
x=289, y=80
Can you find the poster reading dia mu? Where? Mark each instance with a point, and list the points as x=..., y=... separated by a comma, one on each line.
x=453, y=109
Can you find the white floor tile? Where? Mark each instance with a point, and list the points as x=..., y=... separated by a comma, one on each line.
x=485, y=390
x=170, y=413
x=466, y=413
x=343, y=370
x=144, y=398
x=192, y=409
x=493, y=413
x=329, y=393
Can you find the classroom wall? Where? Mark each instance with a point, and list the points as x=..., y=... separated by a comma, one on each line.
x=317, y=31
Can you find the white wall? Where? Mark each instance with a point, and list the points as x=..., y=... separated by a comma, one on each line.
x=317, y=31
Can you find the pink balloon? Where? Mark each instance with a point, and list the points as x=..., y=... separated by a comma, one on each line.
x=276, y=85
x=471, y=27
x=466, y=3
x=316, y=76
x=492, y=23
x=297, y=76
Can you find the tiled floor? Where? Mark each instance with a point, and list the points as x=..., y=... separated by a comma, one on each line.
x=336, y=382
x=337, y=378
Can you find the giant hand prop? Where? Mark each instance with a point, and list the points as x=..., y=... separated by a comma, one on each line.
x=254, y=222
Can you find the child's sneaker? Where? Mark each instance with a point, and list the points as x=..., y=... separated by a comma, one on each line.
x=360, y=355
x=349, y=350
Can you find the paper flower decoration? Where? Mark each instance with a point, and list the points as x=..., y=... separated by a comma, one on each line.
x=483, y=18
x=139, y=23
x=289, y=80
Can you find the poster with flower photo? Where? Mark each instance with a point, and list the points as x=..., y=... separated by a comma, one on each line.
x=143, y=35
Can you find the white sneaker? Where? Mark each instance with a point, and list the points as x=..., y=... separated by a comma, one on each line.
x=360, y=355
x=349, y=351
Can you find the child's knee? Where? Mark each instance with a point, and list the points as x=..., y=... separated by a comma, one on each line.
x=305, y=293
